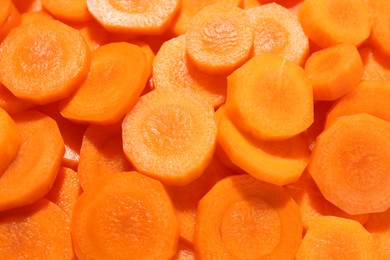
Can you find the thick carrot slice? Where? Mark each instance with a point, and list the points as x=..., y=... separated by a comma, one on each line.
x=12, y=104
x=170, y=136
x=330, y=237
x=32, y=173
x=136, y=17
x=10, y=140
x=172, y=69
x=354, y=153
x=219, y=38
x=278, y=32
x=43, y=61
x=37, y=231
x=334, y=71
x=277, y=162
x=376, y=65
x=93, y=33
x=68, y=10
x=328, y=22
x=117, y=76
x=379, y=227
x=125, y=216
x=243, y=218
x=270, y=97
x=380, y=33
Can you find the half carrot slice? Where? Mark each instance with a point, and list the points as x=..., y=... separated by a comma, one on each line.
x=10, y=140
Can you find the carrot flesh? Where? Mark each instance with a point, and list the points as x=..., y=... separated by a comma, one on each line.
x=247, y=4
x=5, y=10
x=376, y=65
x=30, y=17
x=12, y=21
x=12, y=104
x=68, y=10
x=380, y=33
x=184, y=252
x=93, y=33
x=28, y=5
x=379, y=227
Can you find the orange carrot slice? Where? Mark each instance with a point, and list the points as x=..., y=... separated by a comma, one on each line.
x=93, y=33
x=30, y=17
x=10, y=140
x=170, y=136
x=68, y=10
x=125, y=216
x=51, y=60
x=28, y=5
x=379, y=227
x=12, y=104
x=376, y=65
x=117, y=76
x=380, y=32
x=12, y=21
x=228, y=223
x=32, y=173
x=354, y=153
x=214, y=32
x=270, y=97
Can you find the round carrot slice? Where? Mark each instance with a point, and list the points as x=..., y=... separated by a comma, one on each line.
x=125, y=215
x=10, y=140
x=43, y=61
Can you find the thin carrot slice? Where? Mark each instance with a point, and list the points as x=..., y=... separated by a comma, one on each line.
x=136, y=17
x=243, y=218
x=12, y=21
x=330, y=237
x=68, y=10
x=225, y=160
x=277, y=162
x=379, y=227
x=43, y=61
x=270, y=97
x=334, y=71
x=380, y=33
x=30, y=17
x=125, y=216
x=376, y=65
x=328, y=22
x=93, y=33
x=278, y=32
x=219, y=38
x=12, y=104
x=37, y=231
x=354, y=153
x=32, y=173
x=172, y=69
x=28, y=5
x=10, y=140
x=170, y=136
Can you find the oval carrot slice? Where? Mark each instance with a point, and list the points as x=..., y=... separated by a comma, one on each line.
x=68, y=10
x=170, y=136
x=10, y=140
x=125, y=216
x=243, y=218
x=33, y=171
x=37, y=231
x=354, y=153
x=118, y=74
x=219, y=38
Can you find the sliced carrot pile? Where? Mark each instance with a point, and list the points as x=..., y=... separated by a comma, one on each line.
x=379, y=227
x=68, y=10
x=12, y=104
x=278, y=32
x=219, y=38
x=52, y=59
x=125, y=216
x=334, y=71
x=380, y=33
x=376, y=65
x=243, y=218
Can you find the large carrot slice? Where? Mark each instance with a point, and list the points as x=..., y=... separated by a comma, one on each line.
x=68, y=10
x=118, y=74
x=170, y=136
x=43, y=61
x=125, y=216
x=10, y=140
x=243, y=218
x=379, y=227
x=354, y=153
x=33, y=171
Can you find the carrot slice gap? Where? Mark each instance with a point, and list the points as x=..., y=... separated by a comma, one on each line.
x=376, y=65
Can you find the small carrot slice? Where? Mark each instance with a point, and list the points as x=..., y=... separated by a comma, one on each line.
x=330, y=237
x=51, y=60
x=125, y=216
x=328, y=22
x=170, y=136
x=270, y=97
x=12, y=104
x=68, y=10
x=10, y=140
x=334, y=71
x=118, y=74
x=172, y=69
x=136, y=17
x=376, y=65
x=33, y=171
x=243, y=218
x=379, y=227
x=37, y=231
x=278, y=32
x=214, y=32
x=354, y=153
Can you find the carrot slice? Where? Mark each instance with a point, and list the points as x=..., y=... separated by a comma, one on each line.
x=32, y=173
x=10, y=140
x=277, y=162
x=376, y=65
x=380, y=33
x=334, y=71
x=170, y=136
x=12, y=21
x=37, y=231
x=5, y=10
x=270, y=97
x=172, y=69
x=125, y=216
x=379, y=227
x=330, y=237
x=30, y=17
x=51, y=60
x=147, y=50
x=354, y=153
x=12, y=104
x=278, y=32
x=136, y=17
x=214, y=32
x=28, y=5
x=228, y=225
x=328, y=22
x=117, y=76
x=68, y=10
